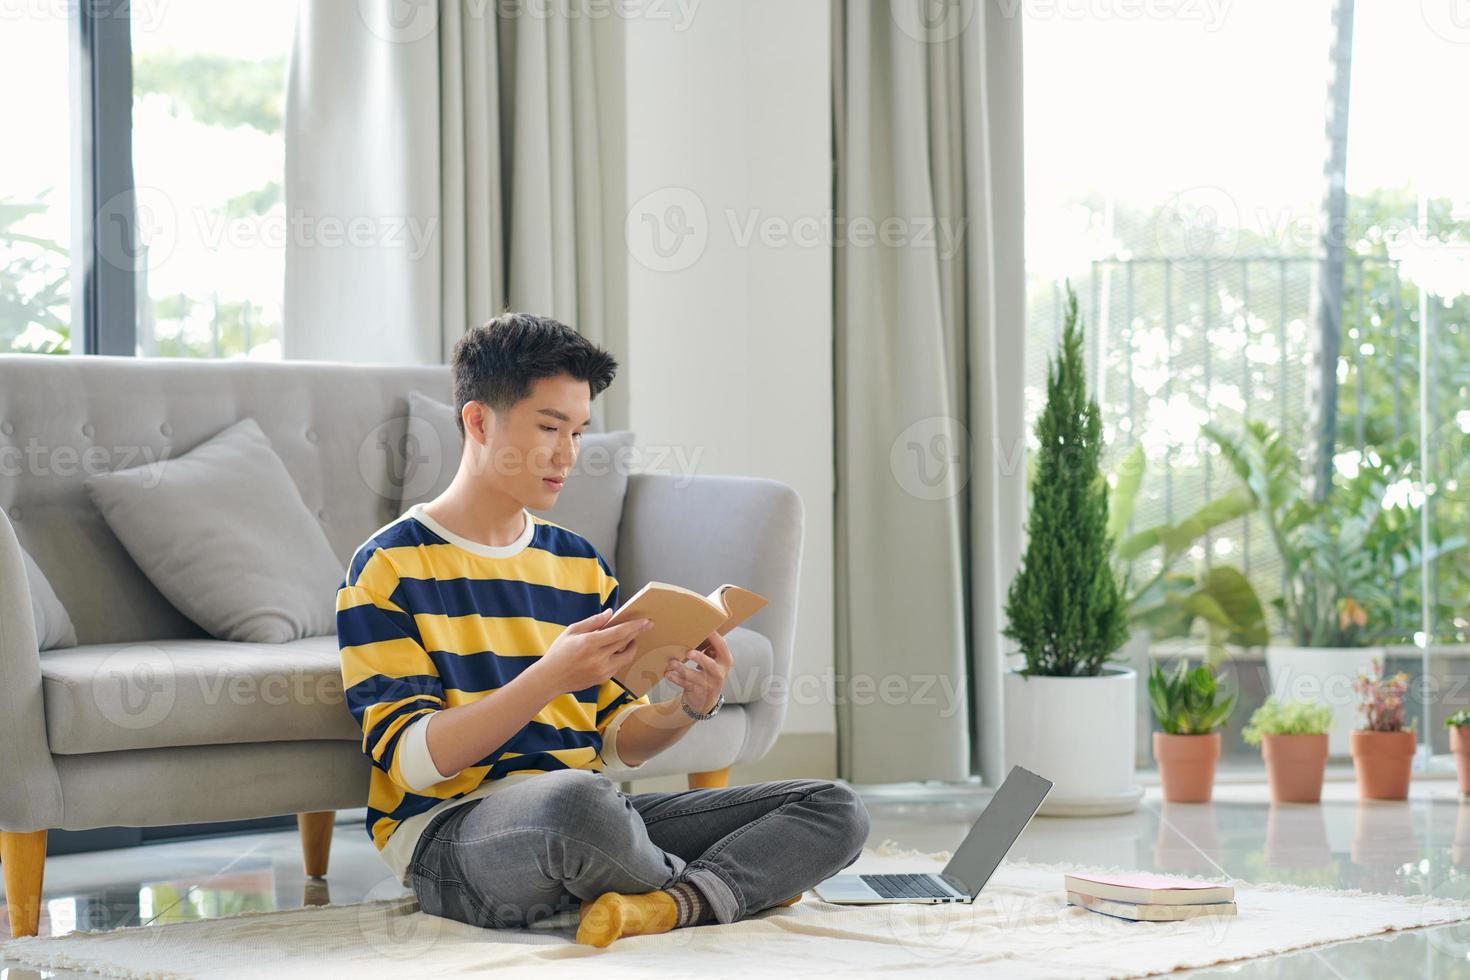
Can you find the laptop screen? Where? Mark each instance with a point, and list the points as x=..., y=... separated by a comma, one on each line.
x=1010, y=810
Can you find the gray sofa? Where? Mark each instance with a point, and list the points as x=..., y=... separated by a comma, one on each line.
x=150, y=722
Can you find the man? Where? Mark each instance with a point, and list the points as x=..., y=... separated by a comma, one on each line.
x=477, y=658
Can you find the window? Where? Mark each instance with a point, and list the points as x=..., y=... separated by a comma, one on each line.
x=209, y=83
x=174, y=195
x=1181, y=191
x=35, y=187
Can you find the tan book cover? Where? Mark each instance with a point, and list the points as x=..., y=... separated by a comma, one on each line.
x=682, y=620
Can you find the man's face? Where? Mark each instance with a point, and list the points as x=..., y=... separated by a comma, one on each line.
x=533, y=444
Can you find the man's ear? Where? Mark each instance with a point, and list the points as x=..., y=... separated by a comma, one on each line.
x=477, y=418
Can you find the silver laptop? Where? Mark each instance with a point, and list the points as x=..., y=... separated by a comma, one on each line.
x=1010, y=810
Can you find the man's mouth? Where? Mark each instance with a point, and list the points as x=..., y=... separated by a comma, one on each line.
x=554, y=482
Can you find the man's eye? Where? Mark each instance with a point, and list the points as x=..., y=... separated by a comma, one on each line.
x=548, y=428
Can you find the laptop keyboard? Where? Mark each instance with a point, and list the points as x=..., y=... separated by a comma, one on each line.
x=906, y=886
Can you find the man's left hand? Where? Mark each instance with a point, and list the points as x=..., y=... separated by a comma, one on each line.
x=702, y=686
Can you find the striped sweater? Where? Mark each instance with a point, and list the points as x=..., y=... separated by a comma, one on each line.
x=427, y=620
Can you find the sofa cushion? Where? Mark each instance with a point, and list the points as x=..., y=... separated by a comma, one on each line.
x=110, y=697
x=591, y=503
x=114, y=696
x=223, y=533
x=53, y=625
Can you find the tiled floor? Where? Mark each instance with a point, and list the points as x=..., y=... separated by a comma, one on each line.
x=1414, y=848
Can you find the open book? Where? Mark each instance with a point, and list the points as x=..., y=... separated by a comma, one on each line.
x=682, y=620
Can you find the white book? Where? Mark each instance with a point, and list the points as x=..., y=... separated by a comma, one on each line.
x=1141, y=912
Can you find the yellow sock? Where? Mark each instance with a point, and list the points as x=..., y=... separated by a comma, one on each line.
x=790, y=901
x=612, y=916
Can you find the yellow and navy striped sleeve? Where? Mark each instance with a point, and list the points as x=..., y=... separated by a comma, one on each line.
x=389, y=678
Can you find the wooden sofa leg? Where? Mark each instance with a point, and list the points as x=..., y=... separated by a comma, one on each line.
x=715, y=779
x=23, y=856
x=316, y=840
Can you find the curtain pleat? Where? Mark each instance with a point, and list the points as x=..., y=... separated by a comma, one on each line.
x=469, y=142
x=929, y=396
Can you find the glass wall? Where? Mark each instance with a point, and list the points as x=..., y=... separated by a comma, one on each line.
x=1181, y=190
x=209, y=84
x=35, y=184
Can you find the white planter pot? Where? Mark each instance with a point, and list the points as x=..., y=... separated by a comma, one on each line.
x=1322, y=675
x=1135, y=655
x=1079, y=732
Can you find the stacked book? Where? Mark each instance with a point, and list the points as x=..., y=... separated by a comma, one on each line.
x=1149, y=898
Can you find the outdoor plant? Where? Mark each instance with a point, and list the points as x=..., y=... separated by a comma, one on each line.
x=1168, y=601
x=1459, y=726
x=1344, y=552
x=1381, y=700
x=1188, y=702
x=1065, y=609
x=1287, y=718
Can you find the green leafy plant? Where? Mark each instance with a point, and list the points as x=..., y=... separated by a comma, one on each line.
x=1169, y=601
x=1345, y=554
x=1065, y=608
x=1287, y=718
x=34, y=295
x=1188, y=702
x=1461, y=717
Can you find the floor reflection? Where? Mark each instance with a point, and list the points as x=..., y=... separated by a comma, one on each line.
x=1419, y=847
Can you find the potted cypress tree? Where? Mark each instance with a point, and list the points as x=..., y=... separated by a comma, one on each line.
x=1070, y=714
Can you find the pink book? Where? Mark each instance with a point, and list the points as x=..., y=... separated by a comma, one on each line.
x=1150, y=889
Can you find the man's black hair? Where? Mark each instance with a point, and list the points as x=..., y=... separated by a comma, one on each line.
x=498, y=362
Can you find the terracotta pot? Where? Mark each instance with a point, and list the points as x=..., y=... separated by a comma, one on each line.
x=1295, y=765
x=1187, y=765
x=1383, y=762
x=1460, y=745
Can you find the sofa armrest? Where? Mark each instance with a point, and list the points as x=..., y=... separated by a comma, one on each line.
x=704, y=531
x=30, y=790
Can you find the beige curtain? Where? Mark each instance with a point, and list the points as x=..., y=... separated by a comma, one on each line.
x=464, y=147
x=929, y=370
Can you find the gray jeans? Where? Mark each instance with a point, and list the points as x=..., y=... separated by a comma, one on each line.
x=543, y=846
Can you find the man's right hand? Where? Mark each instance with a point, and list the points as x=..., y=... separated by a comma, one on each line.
x=588, y=653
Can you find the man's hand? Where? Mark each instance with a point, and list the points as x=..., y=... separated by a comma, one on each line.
x=702, y=685
x=586, y=653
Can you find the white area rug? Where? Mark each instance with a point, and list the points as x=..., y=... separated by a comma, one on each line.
x=1020, y=927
